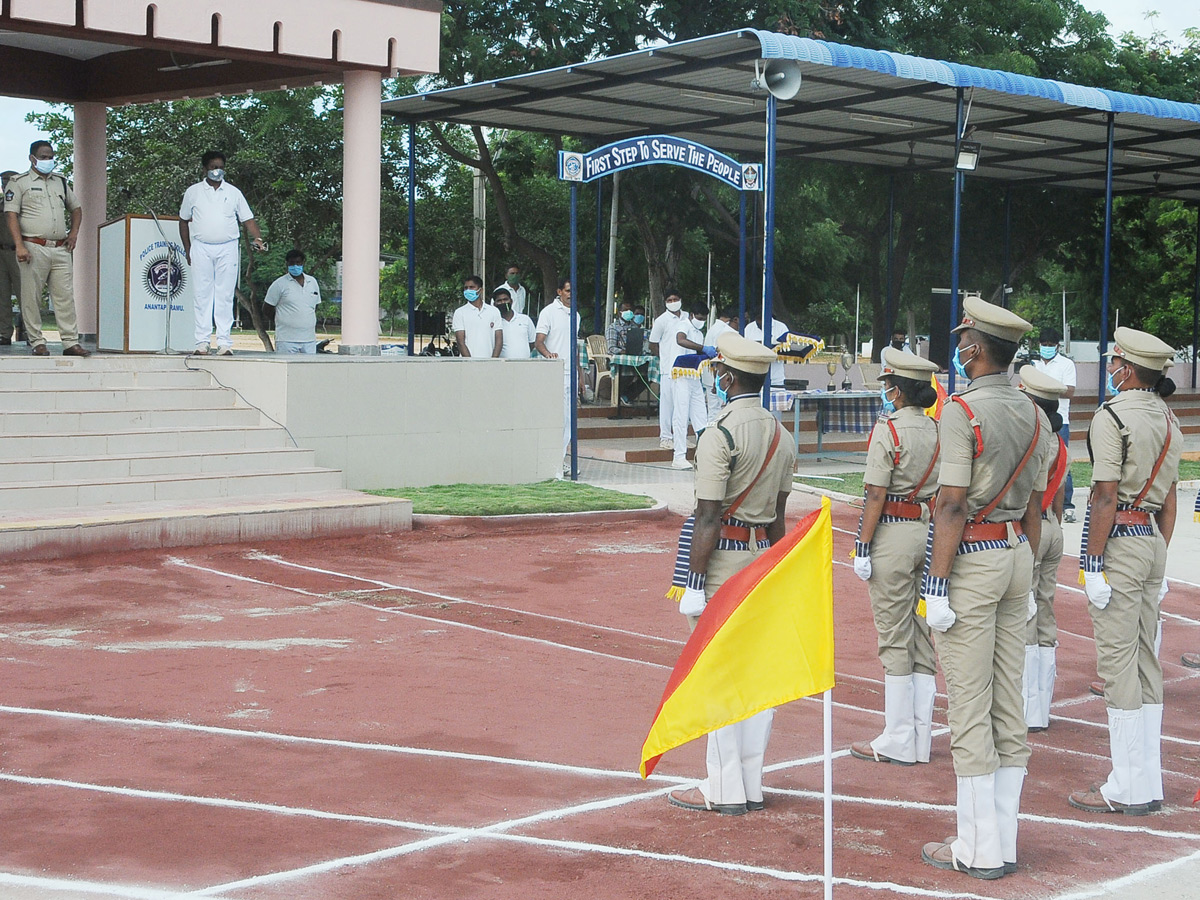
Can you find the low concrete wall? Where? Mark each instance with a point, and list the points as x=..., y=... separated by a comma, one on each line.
x=411, y=421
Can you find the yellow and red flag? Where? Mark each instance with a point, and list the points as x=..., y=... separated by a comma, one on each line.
x=765, y=639
x=935, y=412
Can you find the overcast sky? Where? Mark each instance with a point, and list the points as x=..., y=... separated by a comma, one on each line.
x=1125, y=15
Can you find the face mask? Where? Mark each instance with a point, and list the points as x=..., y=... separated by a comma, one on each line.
x=216, y=174
x=513, y=279
x=1049, y=353
x=675, y=306
x=504, y=307
x=471, y=295
x=723, y=393
x=627, y=315
x=897, y=345
x=45, y=166
x=959, y=366
x=699, y=323
x=295, y=271
x=1115, y=388
x=638, y=320
x=888, y=406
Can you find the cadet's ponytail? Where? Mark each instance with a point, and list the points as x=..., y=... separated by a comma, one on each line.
x=1164, y=387
x=916, y=393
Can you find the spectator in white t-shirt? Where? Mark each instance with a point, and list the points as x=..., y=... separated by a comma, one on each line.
x=476, y=325
x=662, y=342
x=1060, y=368
x=517, y=327
x=754, y=332
x=516, y=290
x=553, y=341
x=295, y=297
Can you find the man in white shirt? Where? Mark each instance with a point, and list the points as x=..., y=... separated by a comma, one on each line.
x=726, y=321
x=295, y=297
x=754, y=332
x=553, y=341
x=1060, y=368
x=662, y=342
x=517, y=328
x=688, y=394
x=516, y=290
x=208, y=227
x=476, y=324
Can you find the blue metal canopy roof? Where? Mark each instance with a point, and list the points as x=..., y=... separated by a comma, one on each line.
x=855, y=106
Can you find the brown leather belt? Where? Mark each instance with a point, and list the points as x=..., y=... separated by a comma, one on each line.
x=974, y=532
x=903, y=510
x=1132, y=517
x=743, y=534
x=43, y=242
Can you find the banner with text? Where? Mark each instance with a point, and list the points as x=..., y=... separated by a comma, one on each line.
x=658, y=149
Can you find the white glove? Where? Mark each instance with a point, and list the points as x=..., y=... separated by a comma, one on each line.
x=1031, y=611
x=693, y=602
x=862, y=567
x=1162, y=591
x=938, y=613
x=1097, y=588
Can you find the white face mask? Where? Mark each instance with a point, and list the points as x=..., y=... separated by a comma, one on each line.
x=675, y=306
x=699, y=323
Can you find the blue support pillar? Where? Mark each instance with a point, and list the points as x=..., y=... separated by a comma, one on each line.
x=889, y=302
x=769, y=239
x=955, y=239
x=1107, y=263
x=742, y=263
x=412, y=235
x=598, y=315
x=574, y=354
x=1007, y=246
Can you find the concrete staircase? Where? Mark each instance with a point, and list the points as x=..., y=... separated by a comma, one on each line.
x=126, y=452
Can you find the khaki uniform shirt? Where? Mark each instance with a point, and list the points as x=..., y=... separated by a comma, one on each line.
x=1047, y=448
x=1128, y=457
x=42, y=205
x=723, y=473
x=1006, y=423
x=918, y=442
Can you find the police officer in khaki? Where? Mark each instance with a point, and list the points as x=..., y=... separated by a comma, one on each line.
x=744, y=466
x=36, y=206
x=976, y=590
x=1135, y=444
x=1041, y=631
x=889, y=554
x=10, y=274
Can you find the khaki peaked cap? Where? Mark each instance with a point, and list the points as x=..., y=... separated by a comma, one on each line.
x=1142, y=349
x=994, y=320
x=903, y=364
x=745, y=355
x=1037, y=383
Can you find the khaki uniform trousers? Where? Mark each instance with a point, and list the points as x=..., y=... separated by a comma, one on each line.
x=1125, y=629
x=983, y=658
x=1042, y=629
x=897, y=563
x=734, y=757
x=48, y=267
x=10, y=284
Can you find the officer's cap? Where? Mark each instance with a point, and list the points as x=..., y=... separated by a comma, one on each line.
x=994, y=320
x=903, y=364
x=1142, y=349
x=744, y=354
x=1037, y=383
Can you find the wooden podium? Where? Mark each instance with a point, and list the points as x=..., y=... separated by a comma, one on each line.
x=142, y=268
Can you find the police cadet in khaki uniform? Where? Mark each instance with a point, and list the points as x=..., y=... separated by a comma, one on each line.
x=1041, y=631
x=889, y=555
x=36, y=205
x=10, y=274
x=1135, y=444
x=988, y=518
x=744, y=467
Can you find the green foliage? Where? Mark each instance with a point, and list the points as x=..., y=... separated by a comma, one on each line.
x=514, y=499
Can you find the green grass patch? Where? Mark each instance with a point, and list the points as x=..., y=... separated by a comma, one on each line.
x=843, y=482
x=514, y=499
x=1081, y=472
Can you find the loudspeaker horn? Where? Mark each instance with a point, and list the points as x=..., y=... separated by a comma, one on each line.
x=780, y=77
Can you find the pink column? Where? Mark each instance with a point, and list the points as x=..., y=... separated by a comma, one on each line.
x=360, y=213
x=91, y=189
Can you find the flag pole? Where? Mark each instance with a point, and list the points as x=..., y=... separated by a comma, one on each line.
x=827, y=707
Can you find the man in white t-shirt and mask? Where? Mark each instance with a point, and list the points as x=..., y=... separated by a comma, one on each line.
x=552, y=340
x=662, y=342
x=476, y=324
x=1062, y=369
x=516, y=290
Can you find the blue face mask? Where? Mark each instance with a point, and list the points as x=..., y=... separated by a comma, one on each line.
x=627, y=315
x=1048, y=353
x=45, y=166
x=888, y=406
x=216, y=174
x=638, y=320
x=959, y=367
x=1115, y=388
x=722, y=393
x=471, y=295
x=295, y=271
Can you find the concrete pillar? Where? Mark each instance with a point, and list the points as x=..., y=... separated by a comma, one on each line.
x=91, y=190
x=360, y=213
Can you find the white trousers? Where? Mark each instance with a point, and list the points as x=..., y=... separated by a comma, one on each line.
x=687, y=406
x=214, y=279
x=666, y=405
x=568, y=405
x=735, y=760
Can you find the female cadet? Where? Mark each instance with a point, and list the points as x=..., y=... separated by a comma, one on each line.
x=1135, y=444
x=1041, y=633
x=889, y=555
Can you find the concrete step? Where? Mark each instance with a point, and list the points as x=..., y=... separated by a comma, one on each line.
x=56, y=533
x=131, y=362
x=141, y=465
x=21, y=422
x=36, y=495
x=72, y=379
x=213, y=438
x=95, y=399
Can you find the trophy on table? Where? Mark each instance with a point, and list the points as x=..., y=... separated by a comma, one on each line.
x=847, y=362
x=831, y=368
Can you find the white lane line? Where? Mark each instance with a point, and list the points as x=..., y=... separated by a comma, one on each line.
x=1176, y=617
x=71, y=887
x=184, y=564
x=1115, y=887
x=1104, y=725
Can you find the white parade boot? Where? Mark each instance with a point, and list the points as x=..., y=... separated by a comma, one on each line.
x=924, y=694
x=1152, y=715
x=1047, y=675
x=1127, y=783
x=1009, y=780
x=978, y=842
x=1030, y=687
x=898, y=740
